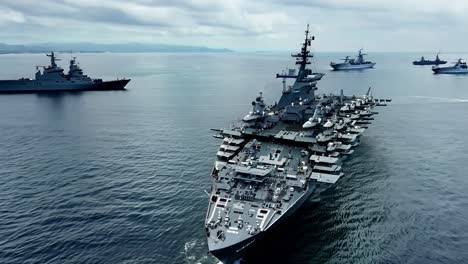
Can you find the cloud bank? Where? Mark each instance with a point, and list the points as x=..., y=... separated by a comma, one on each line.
x=397, y=25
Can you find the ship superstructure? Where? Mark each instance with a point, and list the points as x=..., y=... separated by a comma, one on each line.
x=52, y=78
x=271, y=161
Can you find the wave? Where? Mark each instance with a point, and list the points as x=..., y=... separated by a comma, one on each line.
x=441, y=99
x=196, y=252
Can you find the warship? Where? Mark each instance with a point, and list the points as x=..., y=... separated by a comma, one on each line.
x=459, y=67
x=52, y=79
x=273, y=159
x=423, y=61
x=353, y=64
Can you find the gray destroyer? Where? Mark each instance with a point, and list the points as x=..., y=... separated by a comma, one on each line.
x=458, y=67
x=423, y=61
x=358, y=63
x=53, y=79
x=270, y=162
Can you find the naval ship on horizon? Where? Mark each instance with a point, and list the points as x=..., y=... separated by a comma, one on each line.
x=358, y=63
x=53, y=79
x=423, y=61
x=459, y=67
x=270, y=162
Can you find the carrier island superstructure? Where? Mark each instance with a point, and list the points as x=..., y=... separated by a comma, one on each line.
x=270, y=162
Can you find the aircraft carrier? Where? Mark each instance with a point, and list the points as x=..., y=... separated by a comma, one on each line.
x=53, y=79
x=270, y=162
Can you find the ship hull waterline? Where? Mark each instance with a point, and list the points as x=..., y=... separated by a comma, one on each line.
x=346, y=67
x=418, y=63
x=29, y=86
x=449, y=71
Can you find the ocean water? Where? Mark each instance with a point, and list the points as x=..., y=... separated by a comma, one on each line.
x=119, y=177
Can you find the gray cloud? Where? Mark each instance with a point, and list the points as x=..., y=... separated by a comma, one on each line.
x=261, y=24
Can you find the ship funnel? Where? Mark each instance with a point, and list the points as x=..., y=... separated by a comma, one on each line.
x=258, y=105
x=258, y=109
x=341, y=97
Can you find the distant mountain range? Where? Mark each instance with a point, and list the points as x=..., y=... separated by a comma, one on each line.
x=93, y=47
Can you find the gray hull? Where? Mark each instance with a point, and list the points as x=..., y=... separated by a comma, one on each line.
x=450, y=70
x=31, y=86
x=348, y=66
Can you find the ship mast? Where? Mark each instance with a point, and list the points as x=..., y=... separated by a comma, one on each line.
x=53, y=59
x=302, y=58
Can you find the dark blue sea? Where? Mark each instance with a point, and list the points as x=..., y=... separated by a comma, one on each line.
x=119, y=177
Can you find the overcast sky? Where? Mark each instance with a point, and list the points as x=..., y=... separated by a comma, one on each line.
x=339, y=25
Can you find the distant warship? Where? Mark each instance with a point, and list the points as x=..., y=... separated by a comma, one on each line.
x=353, y=64
x=423, y=61
x=52, y=78
x=270, y=162
x=459, y=67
